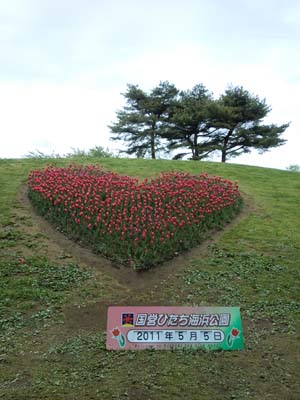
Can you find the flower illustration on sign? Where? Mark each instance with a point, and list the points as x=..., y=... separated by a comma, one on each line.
x=120, y=338
x=232, y=336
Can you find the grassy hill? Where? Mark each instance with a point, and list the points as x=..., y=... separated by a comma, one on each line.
x=53, y=298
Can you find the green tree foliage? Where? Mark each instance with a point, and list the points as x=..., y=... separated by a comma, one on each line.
x=142, y=120
x=294, y=168
x=97, y=151
x=188, y=125
x=236, y=123
x=194, y=123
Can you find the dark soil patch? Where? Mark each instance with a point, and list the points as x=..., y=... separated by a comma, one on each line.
x=91, y=317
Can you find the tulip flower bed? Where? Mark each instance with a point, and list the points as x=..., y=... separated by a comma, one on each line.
x=136, y=223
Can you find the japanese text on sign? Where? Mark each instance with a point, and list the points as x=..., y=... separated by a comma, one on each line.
x=136, y=328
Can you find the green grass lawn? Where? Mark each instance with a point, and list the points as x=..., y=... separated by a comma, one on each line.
x=53, y=303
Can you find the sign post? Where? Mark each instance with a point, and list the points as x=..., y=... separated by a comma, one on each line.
x=138, y=328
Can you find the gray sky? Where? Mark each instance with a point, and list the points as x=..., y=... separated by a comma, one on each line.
x=65, y=63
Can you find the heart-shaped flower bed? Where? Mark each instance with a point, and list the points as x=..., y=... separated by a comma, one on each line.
x=140, y=224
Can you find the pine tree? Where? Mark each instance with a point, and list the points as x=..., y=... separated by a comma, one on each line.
x=188, y=126
x=236, y=124
x=142, y=120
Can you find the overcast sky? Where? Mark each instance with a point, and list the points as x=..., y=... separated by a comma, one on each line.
x=65, y=63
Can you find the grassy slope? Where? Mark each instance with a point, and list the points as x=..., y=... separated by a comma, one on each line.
x=254, y=264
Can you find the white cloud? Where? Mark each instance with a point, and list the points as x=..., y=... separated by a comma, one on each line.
x=64, y=64
x=54, y=118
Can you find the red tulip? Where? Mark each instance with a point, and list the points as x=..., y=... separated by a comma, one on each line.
x=136, y=221
x=116, y=332
x=234, y=332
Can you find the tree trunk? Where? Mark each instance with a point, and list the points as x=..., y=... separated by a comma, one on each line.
x=224, y=148
x=196, y=155
x=152, y=144
x=191, y=146
x=196, y=149
x=223, y=155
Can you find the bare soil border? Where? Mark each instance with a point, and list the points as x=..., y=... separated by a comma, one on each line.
x=124, y=275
